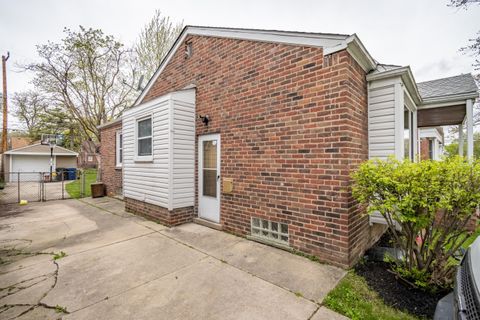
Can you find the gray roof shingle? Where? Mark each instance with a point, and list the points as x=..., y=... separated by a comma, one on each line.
x=463, y=83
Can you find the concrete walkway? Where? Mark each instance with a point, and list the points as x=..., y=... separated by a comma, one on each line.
x=114, y=265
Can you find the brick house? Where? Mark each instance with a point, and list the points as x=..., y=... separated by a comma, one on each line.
x=88, y=156
x=257, y=132
x=111, y=157
x=431, y=143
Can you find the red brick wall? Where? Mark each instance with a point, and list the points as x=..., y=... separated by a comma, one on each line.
x=110, y=175
x=424, y=148
x=293, y=126
x=164, y=216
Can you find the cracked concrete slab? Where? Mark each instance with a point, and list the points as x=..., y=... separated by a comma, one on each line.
x=204, y=239
x=274, y=265
x=98, y=274
x=208, y=289
x=119, y=266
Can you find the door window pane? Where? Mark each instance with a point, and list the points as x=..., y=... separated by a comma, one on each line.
x=210, y=183
x=210, y=154
x=210, y=168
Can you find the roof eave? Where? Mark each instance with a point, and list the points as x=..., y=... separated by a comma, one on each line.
x=358, y=51
x=450, y=98
x=110, y=123
x=407, y=77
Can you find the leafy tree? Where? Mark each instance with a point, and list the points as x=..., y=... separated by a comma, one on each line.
x=155, y=40
x=83, y=74
x=426, y=206
x=451, y=150
x=39, y=118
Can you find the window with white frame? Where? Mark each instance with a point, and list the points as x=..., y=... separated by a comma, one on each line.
x=144, y=137
x=119, y=149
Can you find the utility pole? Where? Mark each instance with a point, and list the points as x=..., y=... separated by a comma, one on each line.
x=5, y=116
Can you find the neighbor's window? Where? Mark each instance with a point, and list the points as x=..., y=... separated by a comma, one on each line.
x=89, y=158
x=119, y=150
x=144, y=137
x=408, y=133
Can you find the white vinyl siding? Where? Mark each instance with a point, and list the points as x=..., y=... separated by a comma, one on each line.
x=167, y=180
x=183, y=153
x=381, y=120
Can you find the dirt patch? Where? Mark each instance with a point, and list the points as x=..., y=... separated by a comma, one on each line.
x=397, y=294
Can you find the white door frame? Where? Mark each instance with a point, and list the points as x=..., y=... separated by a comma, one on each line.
x=208, y=207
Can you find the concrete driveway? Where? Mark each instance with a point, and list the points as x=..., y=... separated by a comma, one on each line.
x=30, y=191
x=114, y=265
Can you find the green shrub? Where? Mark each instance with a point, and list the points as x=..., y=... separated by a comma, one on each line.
x=427, y=205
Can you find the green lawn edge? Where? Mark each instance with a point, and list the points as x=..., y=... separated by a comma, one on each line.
x=73, y=188
x=353, y=298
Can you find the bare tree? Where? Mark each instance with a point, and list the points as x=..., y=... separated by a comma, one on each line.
x=84, y=74
x=28, y=106
x=154, y=42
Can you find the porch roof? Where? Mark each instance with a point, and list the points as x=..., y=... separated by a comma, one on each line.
x=463, y=84
x=444, y=100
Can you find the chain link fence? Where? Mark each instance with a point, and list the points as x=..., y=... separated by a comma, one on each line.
x=40, y=186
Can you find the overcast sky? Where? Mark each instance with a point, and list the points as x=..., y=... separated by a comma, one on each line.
x=425, y=34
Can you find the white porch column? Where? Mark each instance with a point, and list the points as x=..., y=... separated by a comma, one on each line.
x=415, y=137
x=469, y=128
x=460, y=139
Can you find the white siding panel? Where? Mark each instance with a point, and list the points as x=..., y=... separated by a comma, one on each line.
x=184, y=151
x=169, y=179
x=147, y=181
x=381, y=121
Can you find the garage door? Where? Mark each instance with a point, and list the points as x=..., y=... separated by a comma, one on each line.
x=29, y=166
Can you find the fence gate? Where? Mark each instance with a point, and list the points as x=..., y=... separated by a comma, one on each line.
x=37, y=186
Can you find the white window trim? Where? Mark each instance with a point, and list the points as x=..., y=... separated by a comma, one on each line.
x=138, y=158
x=118, y=136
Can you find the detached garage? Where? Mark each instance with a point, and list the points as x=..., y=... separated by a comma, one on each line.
x=35, y=159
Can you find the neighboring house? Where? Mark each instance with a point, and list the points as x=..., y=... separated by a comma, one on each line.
x=88, y=155
x=257, y=132
x=431, y=143
x=18, y=142
x=36, y=159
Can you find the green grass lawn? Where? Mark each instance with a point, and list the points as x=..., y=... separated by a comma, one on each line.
x=353, y=298
x=74, y=188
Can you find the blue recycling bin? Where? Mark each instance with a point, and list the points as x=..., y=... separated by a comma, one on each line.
x=72, y=173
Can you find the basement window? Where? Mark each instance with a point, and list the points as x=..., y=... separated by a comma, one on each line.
x=269, y=230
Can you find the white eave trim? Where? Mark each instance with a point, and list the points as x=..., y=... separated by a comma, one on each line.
x=284, y=37
x=110, y=123
x=448, y=100
x=19, y=151
x=357, y=50
x=41, y=153
x=407, y=77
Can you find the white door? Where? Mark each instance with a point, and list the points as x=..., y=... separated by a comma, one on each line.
x=209, y=177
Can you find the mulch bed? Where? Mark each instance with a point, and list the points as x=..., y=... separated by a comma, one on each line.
x=395, y=292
